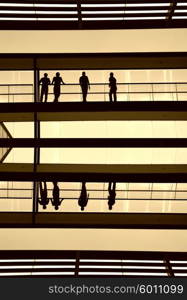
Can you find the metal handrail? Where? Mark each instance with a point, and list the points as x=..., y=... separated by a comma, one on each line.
x=104, y=92
x=98, y=198
x=17, y=84
x=99, y=83
x=96, y=190
x=96, y=93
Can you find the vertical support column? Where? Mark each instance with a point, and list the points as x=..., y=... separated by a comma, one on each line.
x=171, y=10
x=36, y=136
x=79, y=14
x=169, y=268
x=77, y=263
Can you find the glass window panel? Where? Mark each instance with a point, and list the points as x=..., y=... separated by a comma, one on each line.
x=20, y=129
x=114, y=129
x=112, y=155
x=20, y=155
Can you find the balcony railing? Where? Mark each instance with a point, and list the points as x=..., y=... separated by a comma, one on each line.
x=128, y=200
x=71, y=92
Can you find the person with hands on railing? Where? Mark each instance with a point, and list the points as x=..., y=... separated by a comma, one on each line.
x=45, y=82
x=83, y=199
x=85, y=85
x=112, y=194
x=113, y=87
x=57, y=81
x=56, y=201
x=43, y=194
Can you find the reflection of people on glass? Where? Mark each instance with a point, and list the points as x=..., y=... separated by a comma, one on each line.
x=43, y=194
x=44, y=81
x=85, y=85
x=83, y=199
x=57, y=81
x=56, y=201
x=113, y=87
x=112, y=194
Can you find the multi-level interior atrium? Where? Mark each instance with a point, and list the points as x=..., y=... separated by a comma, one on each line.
x=136, y=144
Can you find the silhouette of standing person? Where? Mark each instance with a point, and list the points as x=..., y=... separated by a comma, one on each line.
x=43, y=194
x=57, y=81
x=113, y=87
x=56, y=202
x=85, y=85
x=83, y=199
x=112, y=194
x=44, y=81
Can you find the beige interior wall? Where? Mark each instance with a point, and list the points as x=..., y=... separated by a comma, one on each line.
x=70, y=41
x=93, y=239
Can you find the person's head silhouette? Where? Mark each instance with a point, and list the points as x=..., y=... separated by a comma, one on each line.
x=56, y=207
x=83, y=73
x=110, y=207
x=111, y=74
x=57, y=74
x=45, y=74
x=44, y=206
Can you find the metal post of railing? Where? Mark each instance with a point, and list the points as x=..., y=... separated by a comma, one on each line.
x=169, y=268
x=176, y=92
x=128, y=97
x=8, y=93
x=152, y=91
x=105, y=92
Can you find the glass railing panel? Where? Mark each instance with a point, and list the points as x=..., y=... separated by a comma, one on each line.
x=72, y=92
x=130, y=197
x=16, y=196
x=16, y=93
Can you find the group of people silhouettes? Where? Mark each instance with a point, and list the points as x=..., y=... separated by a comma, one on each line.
x=44, y=200
x=82, y=201
x=83, y=82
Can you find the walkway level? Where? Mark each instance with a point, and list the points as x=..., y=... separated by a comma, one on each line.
x=94, y=111
x=93, y=220
x=93, y=172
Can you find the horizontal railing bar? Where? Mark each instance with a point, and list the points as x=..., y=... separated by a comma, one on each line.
x=105, y=199
x=97, y=190
x=106, y=83
x=17, y=84
x=30, y=198
x=98, y=93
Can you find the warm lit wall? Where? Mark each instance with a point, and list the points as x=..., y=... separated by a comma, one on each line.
x=151, y=40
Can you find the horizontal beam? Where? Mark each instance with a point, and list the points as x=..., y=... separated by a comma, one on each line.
x=94, y=61
x=94, y=25
x=94, y=220
x=94, y=142
x=93, y=172
x=89, y=254
x=93, y=111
